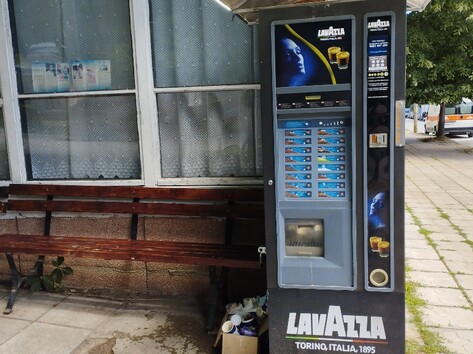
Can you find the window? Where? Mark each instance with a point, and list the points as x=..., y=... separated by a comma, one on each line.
x=204, y=65
x=63, y=48
x=97, y=97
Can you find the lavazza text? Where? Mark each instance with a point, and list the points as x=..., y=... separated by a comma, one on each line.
x=335, y=331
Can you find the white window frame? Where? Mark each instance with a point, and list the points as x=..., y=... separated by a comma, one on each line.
x=146, y=104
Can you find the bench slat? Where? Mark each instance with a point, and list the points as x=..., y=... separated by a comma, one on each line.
x=92, y=206
x=129, y=192
x=205, y=254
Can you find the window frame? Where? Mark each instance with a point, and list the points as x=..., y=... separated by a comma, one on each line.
x=147, y=114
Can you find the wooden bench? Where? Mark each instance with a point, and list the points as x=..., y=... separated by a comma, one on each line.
x=227, y=203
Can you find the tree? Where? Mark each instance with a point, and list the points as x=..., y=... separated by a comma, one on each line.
x=439, y=51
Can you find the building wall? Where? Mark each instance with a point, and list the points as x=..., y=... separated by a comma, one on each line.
x=134, y=276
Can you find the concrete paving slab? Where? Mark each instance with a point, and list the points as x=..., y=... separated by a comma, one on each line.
x=442, y=296
x=457, y=341
x=450, y=236
x=147, y=328
x=444, y=280
x=418, y=244
x=466, y=280
x=32, y=305
x=420, y=253
x=469, y=293
x=436, y=228
x=427, y=265
x=42, y=338
x=448, y=317
x=450, y=245
x=461, y=267
x=415, y=236
x=10, y=327
x=461, y=255
x=81, y=312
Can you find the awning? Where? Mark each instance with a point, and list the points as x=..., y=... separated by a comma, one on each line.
x=248, y=9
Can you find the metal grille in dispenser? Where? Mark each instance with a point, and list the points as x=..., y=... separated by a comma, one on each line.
x=305, y=238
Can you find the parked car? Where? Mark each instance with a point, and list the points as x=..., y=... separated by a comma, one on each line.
x=458, y=120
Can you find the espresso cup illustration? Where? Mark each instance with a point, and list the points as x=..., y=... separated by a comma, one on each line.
x=374, y=241
x=332, y=54
x=383, y=249
x=343, y=58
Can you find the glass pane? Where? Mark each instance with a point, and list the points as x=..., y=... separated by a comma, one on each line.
x=209, y=134
x=4, y=170
x=198, y=42
x=81, y=138
x=70, y=45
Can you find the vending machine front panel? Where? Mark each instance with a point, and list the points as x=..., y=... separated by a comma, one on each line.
x=313, y=100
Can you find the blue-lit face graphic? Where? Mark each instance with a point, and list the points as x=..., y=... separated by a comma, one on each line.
x=291, y=57
x=377, y=203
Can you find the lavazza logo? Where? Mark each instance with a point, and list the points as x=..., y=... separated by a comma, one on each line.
x=378, y=24
x=333, y=331
x=331, y=33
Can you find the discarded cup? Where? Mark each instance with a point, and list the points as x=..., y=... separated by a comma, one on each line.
x=236, y=320
x=249, y=320
x=229, y=327
x=248, y=331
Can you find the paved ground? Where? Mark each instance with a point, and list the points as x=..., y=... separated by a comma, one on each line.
x=439, y=237
x=59, y=324
x=439, y=254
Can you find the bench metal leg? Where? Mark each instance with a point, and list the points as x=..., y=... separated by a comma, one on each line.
x=218, y=292
x=213, y=299
x=17, y=279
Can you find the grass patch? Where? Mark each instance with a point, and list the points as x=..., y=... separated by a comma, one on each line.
x=431, y=342
x=432, y=139
x=457, y=228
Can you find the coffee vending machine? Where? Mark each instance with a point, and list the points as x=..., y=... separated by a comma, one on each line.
x=332, y=94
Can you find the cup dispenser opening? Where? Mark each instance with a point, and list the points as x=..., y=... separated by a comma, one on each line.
x=304, y=238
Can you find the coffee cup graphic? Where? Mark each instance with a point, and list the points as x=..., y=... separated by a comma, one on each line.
x=383, y=249
x=332, y=54
x=374, y=241
x=343, y=59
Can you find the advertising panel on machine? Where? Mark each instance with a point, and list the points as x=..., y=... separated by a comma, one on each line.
x=313, y=53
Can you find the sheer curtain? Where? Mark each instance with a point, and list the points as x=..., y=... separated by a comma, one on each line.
x=208, y=132
x=91, y=137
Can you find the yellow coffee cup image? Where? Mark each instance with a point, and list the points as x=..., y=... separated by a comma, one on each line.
x=332, y=54
x=383, y=248
x=343, y=59
x=374, y=241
